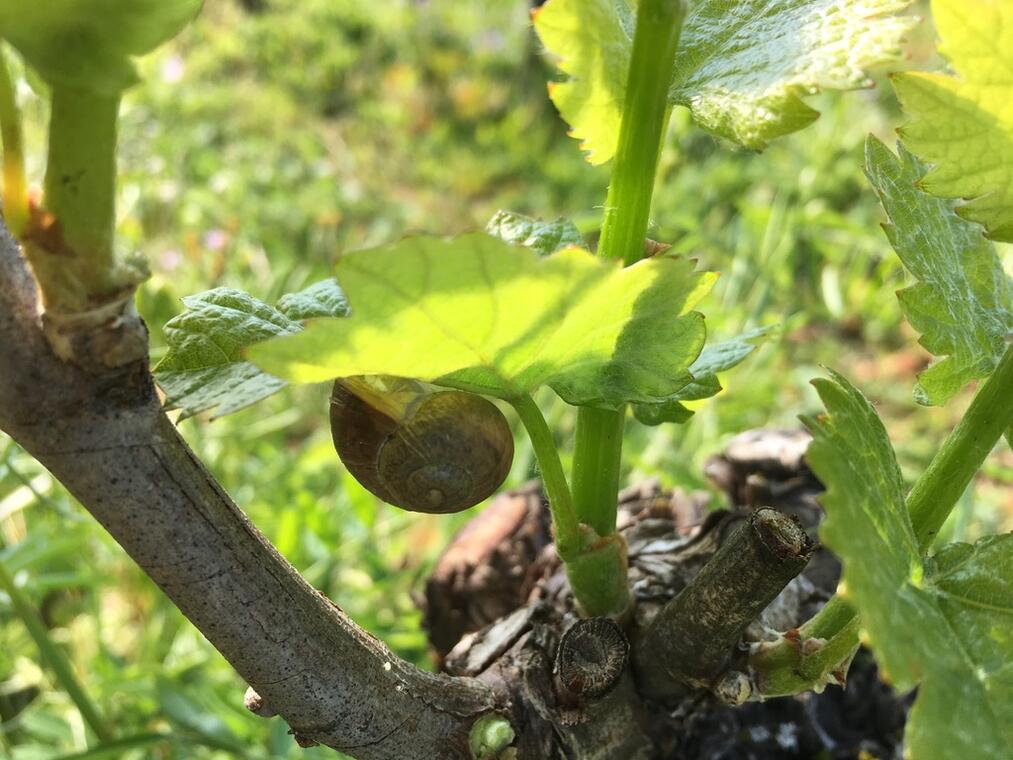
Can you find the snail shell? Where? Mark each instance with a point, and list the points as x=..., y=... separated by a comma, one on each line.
x=419, y=448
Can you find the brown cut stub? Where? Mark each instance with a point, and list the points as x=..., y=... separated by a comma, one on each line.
x=592, y=656
x=782, y=534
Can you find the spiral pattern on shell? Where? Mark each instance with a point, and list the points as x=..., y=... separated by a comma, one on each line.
x=442, y=451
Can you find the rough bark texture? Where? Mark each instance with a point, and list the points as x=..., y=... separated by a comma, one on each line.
x=106, y=439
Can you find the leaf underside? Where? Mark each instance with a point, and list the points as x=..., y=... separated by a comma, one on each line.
x=540, y=236
x=204, y=369
x=963, y=124
x=715, y=358
x=91, y=43
x=945, y=623
x=479, y=314
x=962, y=302
x=743, y=67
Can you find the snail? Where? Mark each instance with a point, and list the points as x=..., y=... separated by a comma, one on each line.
x=417, y=447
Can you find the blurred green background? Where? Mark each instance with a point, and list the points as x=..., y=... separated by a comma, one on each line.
x=274, y=134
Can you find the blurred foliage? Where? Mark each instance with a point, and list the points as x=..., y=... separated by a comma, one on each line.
x=274, y=134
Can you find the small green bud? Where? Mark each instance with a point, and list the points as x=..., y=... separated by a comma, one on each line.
x=490, y=735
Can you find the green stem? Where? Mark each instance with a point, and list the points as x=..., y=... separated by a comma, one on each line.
x=52, y=654
x=831, y=619
x=645, y=116
x=929, y=503
x=598, y=442
x=564, y=518
x=786, y=668
x=15, y=186
x=596, y=565
x=71, y=246
x=946, y=478
x=597, y=457
x=81, y=170
x=840, y=648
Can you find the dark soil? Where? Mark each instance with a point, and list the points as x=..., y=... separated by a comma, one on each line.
x=498, y=602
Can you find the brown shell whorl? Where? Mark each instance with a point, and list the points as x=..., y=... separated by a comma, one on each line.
x=442, y=451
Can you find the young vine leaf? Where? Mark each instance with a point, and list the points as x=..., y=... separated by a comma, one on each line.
x=963, y=125
x=742, y=67
x=204, y=369
x=90, y=43
x=715, y=358
x=963, y=300
x=485, y=316
x=944, y=622
x=540, y=236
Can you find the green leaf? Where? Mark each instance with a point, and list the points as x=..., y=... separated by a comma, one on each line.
x=321, y=299
x=593, y=41
x=715, y=358
x=720, y=357
x=541, y=237
x=742, y=68
x=479, y=314
x=963, y=124
x=90, y=43
x=204, y=368
x=944, y=623
x=963, y=301
x=664, y=411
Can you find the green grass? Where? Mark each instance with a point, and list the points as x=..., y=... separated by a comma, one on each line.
x=261, y=146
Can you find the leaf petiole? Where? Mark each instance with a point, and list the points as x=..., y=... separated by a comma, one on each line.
x=564, y=518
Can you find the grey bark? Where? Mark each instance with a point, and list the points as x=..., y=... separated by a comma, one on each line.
x=107, y=440
x=691, y=639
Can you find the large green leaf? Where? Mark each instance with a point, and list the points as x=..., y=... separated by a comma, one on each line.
x=963, y=301
x=963, y=125
x=204, y=369
x=479, y=314
x=90, y=43
x=945, y=623
x=742, y=68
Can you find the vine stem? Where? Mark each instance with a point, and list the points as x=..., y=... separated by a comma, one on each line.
x=72, y=251
x=87, y=291
x=53, y=656
x=642, y=129
x=598, y=439
x=946, y=478
x=597, y=461
x=81, y=171
x=15, y=185
x=929, y=503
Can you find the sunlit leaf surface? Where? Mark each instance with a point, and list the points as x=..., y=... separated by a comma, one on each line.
x=963, y=124
x=479, y=314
